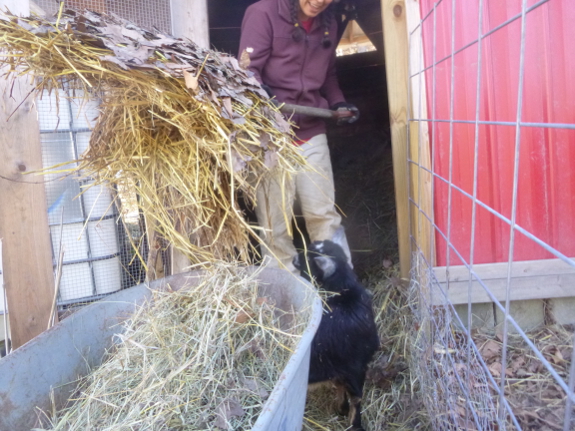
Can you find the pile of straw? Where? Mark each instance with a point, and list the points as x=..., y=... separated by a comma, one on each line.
x=188, y=128
x=205, y=357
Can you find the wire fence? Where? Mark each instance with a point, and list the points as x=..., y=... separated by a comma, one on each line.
x=493, y=237
x=85, y=220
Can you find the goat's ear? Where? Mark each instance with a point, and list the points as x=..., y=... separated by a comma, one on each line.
x=326, y=265
x=340, y=239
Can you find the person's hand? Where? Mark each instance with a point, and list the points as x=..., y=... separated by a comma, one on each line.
x=344, y=106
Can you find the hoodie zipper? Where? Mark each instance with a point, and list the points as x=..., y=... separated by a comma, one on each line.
x=306, y=50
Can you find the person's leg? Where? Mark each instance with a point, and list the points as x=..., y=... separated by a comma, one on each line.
x=274, y=210
x=316, y=194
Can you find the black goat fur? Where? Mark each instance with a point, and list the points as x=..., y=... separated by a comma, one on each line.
x=347, y=335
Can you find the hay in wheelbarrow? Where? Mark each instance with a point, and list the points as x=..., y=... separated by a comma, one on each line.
x=204, y=357
x=187, y=128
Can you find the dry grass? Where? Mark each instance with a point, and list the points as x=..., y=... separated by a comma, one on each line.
x=187, y=127
x=536, y=399
x=204, y=357
x=460, y=372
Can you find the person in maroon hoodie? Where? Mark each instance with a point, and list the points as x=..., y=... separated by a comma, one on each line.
x=291, y=46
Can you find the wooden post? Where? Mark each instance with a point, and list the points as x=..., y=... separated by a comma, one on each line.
x=396, y=51
x=189, y=20
x=27, y=253
x=419, y=150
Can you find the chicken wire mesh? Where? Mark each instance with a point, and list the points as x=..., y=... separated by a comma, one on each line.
x=144, y=13
x=491, y=126
x=84, y=221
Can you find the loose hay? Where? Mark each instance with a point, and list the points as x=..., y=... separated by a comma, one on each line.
x=536, y=399
x=204, y=357
x=188, y=128
x=458, y=376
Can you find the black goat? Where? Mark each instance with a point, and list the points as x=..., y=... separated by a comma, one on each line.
x=347, y=335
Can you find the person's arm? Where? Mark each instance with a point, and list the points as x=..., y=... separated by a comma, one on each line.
x=334, y=95
x=257, y=33
x=330, y=89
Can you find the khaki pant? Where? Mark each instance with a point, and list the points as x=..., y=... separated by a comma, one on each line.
x=315, y=193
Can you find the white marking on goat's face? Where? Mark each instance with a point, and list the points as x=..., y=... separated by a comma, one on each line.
x=326, y=265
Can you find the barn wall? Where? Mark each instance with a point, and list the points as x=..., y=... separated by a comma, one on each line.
x=545, y=206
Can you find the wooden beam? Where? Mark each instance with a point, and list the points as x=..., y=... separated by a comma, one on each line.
x=27, y=253
x=536, y=279
x=419, y=151
x=395, y=47
x=190, y=20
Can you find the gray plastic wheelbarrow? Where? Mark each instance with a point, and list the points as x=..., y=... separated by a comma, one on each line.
x=54, y=359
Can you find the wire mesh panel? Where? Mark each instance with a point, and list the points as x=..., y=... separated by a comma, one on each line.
x=147, y=14
x=99, y=256
x=82, y=218
x=492, y=202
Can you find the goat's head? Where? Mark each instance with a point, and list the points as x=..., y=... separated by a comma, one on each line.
x=321, y=260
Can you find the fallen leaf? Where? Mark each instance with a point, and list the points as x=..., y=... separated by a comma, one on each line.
x=228, y=106
x=281, y=123
x=495, y=369
x=535, y=366
x=245, y=58
x=242, y=317
x=262, y=300
x=265, y=140
x=239, y=162
x=270, y=159
x=228, y=409
x=490, y=350
x=255, y=348
x=517, y=363
x=253, y=385
x=191, y=81
x=558, y=357
x=132, y=34
x=112, y=59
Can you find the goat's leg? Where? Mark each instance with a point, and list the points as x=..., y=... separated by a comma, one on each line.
x=354, y=387
x=341, y=398
x=355, y=414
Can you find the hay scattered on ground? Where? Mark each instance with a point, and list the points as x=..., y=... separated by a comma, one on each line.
x=205, y=357
x=390, y=400
x=187, y=127
x=536, y=399
x=460, y=378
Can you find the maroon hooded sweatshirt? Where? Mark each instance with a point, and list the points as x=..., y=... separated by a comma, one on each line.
x=302, y=73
